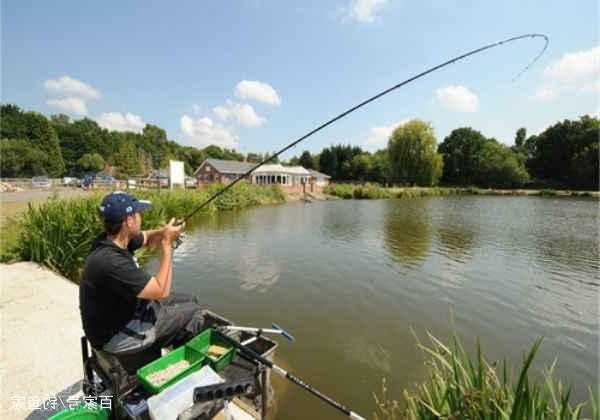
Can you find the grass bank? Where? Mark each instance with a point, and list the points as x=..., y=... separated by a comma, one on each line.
x=375, y=191
x=59, y=232
x=462, y=387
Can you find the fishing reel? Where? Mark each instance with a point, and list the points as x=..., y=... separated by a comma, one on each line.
x=178, y=241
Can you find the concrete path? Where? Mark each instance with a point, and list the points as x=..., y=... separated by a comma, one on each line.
x=40, y=356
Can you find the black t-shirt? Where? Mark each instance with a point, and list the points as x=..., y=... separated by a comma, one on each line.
x=109, y=287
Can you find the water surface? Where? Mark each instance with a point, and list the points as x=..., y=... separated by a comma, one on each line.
x=351, y=278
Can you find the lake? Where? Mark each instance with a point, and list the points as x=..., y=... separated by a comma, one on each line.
x=352, y=279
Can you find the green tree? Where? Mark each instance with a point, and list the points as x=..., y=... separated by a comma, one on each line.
x=21, y=159
x=413, y=156
x=127, y=159
x=380, y=167
x=91, y=162
x=361, y=167
x=328, y=162
x=306, y=160
x=35, y=129
x=567, y=153
x=462, y=152
x=500, y=167
x=520, y=137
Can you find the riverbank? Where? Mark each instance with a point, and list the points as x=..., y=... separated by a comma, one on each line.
x=58, y=233
x=375, y=191
x=41, y=329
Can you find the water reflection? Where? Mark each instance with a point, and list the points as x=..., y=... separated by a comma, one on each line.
x=257, y=272
x=406, y=230
x=343, y=225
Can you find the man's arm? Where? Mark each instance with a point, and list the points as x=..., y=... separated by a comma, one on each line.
x=152, y=237
x=159, y=286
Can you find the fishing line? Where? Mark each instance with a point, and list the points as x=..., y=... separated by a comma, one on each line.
x=371, y=99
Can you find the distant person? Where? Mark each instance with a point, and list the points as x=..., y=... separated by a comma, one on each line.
x=124, y=309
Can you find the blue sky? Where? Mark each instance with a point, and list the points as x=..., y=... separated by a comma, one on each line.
x=256, y=74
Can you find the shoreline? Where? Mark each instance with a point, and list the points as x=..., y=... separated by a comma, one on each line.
x=40, y=320
x=374, y=191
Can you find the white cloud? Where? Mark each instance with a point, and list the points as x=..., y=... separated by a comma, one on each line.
x=244, y=114
x=259, y=91
x=71, y=105
x=578, y=71
x=379, y=135
x=203, y=132
x=121, y=122
x=364, y=11
x=573, y=68
x=458, y=98
x=70, y=87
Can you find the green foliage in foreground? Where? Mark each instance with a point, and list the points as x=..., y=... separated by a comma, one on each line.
x=463, y=387
x=59, y=233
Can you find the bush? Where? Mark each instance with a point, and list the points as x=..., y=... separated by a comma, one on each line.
x=59, y=233
x=463, y=387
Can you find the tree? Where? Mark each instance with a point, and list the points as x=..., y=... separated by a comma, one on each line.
x=306, y=160
x=380, y=167
x=91, y=162
x=328, y=162
x=500, y=167
x=361, y=167
x=567, y=153
x=413, y=156
x=520, y=137
x=127, y=160
x=21, y=159
x=36, y=130
x=462, y=153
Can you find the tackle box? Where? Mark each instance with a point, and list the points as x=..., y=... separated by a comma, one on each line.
x=195, y=358
x=209, y=337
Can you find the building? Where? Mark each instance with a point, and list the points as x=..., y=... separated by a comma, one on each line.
x=290, y=178
x=222, y=171
x=321, y=180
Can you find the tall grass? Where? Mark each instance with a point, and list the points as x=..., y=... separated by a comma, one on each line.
x=462, y=387
x=59, y=233
x=363, y=191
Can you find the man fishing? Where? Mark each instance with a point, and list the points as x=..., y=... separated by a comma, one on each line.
x=125, y=310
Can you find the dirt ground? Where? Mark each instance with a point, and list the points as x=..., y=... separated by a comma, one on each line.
x=13, y=203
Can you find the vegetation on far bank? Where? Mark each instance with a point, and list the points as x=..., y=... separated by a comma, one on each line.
x=565, y=155
x=59, y=232
x=375, y=191
x=459, y=386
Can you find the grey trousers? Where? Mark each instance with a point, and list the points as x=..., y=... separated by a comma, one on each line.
x=160, y=323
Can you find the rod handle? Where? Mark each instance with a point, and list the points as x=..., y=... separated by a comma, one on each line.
x=286, y=334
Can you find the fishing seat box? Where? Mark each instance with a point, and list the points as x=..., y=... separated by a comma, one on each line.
x=121, y=381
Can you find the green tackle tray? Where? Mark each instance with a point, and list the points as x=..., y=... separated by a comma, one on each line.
x=207, y=338
x=194, y=357
x=81, y=412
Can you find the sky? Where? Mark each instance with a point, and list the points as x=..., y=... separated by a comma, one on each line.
x=255, y=74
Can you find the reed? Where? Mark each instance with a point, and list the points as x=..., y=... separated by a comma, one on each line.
x=59, y=233
x=459, y=386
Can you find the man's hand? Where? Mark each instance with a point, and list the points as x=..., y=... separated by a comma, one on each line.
x=170, y=232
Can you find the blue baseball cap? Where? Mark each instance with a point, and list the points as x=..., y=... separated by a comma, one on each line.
x=116, y=206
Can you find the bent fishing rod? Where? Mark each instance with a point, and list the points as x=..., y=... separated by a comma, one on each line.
x=367, y=101
x=250, y=352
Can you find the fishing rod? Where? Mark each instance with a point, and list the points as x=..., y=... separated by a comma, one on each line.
x=287, y=375
x=367, y=101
